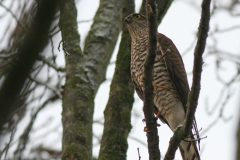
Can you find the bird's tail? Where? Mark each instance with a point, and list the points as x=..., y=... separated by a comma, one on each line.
x=188, y=149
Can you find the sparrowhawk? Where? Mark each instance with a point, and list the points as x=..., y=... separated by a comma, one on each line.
x=169, y=80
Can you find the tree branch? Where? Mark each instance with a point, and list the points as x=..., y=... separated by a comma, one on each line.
x=50, y=64
x=32, y=44
x=151, y=124
x=78, y=97
x=101, y=40
x=182, y=132
x=14, y=16
x=23, y=140
x=162, y=8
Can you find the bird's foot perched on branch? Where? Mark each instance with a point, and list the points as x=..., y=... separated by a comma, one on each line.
x=158, y=86
x=146, y=130
x=158, y=114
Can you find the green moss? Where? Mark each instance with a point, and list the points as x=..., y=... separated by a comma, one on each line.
x=73, y=152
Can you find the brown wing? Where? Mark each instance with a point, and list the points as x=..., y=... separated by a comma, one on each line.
x=176, y=70
x=175, y=67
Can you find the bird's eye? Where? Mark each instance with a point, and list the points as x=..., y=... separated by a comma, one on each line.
x=137, y=16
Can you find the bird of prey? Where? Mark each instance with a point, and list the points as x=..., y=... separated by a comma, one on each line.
x=169, y=80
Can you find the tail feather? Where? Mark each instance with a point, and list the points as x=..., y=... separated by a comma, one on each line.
x=189, y=150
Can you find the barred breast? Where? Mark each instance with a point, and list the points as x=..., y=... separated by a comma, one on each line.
x=165, y=100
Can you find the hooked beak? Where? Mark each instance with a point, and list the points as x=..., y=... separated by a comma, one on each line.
x=127, y=20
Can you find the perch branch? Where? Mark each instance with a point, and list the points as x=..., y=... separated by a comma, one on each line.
x=182, y=132
x=151, y=124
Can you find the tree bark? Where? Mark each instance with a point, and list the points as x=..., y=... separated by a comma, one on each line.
x=85, y=72
x=117, y=114
x=101, y=40
x=162, y=8
x=151, y=124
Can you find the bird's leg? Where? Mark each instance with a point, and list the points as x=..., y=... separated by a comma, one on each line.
x=158, y=86
x=142, y=80
x=158, y=114
x=155, y=85
x=145, y=129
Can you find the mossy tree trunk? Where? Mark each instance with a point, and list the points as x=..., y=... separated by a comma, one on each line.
x=85, y=72
x=117, y=113
x=77, y=104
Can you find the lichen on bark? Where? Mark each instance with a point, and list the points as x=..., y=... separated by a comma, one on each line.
x=85, y=71
x=118, y=110
x=101, y=40
x=78, y=97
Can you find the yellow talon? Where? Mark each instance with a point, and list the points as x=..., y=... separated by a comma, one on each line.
x=145, y=129
x=155, y=85
x=158, y=114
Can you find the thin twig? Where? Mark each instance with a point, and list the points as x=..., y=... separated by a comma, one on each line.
x=139, y=154
x=14, y=16
x=25, y=136
x=182, y=132
x=50, y=64
x=83, y=21
x=48, y=87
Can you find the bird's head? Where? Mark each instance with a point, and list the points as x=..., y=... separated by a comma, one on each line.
x=136, y=23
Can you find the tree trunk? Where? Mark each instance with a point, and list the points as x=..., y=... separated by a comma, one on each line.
x=85, y=72
x=117, y=114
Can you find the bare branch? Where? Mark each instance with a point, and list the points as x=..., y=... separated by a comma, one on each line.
x=83, y=21
x=25, y=136
x=20, y=23
x=50, y=64
x=181, y=132
x=32, y=44
x=162, y=8
x=151, y=124
x=46, y=85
